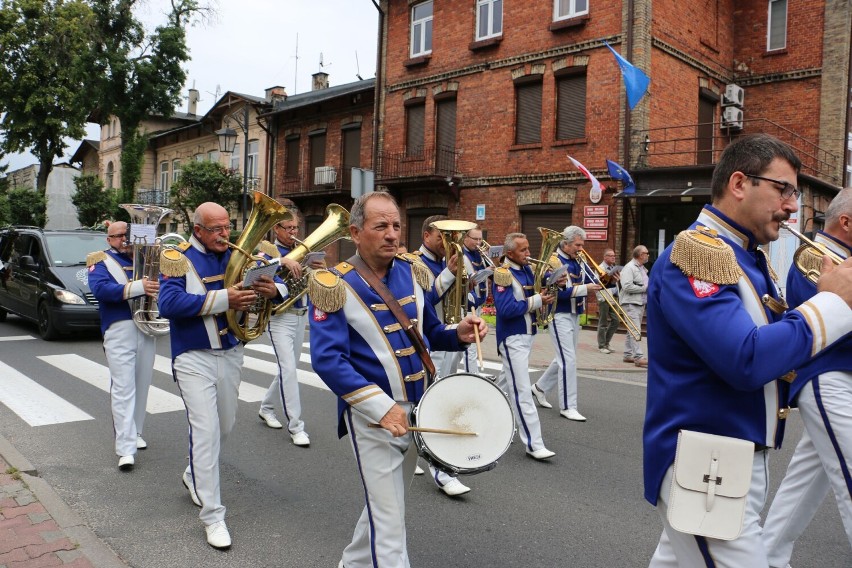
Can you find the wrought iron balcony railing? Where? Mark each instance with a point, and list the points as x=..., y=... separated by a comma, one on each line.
x=421, y=163
x=152, y=197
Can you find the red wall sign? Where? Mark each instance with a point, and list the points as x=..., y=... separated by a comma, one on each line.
x=596, y=235
x=595, y=210
x=596, y=223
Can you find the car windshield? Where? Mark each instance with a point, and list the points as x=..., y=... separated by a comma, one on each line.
x=71, y=250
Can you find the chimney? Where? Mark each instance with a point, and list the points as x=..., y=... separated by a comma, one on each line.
x=275, y=94
x=192, y=105
x=320, y=81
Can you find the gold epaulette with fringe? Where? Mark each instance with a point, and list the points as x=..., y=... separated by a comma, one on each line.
x=173, y=263
x=184, y=246
x=553, y=262
x=95, y=257
x=269, y=249
x=772, y=273
x=422, y=274
x=502, y=276
x=326, y=289
x=701, y=254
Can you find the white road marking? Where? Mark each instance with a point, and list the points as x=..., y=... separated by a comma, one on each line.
x=17, y=338
x=36, y=405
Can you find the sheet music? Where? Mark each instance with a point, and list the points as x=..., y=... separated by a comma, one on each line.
x=138, y=232
x=556, y=274
x=481, y=275
x=252, y=274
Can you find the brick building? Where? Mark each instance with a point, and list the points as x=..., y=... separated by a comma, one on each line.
x=481, y=101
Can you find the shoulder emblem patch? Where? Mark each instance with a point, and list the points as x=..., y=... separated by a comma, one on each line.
x=703, y=289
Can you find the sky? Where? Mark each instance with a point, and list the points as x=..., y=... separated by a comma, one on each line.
x=250, y=45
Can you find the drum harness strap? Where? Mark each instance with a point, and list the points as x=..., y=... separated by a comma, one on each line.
x=410, y=329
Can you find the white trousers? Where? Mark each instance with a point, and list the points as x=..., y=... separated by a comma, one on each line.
x=209, y=382
x=515, y=380
x=287, y=333
x=562, y=371
x=447, y=362
x=633, y=347
x=822, y=461
x=130, y=357
x=677, y=549
x=386, y=466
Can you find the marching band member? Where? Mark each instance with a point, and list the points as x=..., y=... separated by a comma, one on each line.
x=565, y=329
x=207, y=358
x=823, y=391
x=432, y=254
x=287, y=333
x=516, y=306
x=607, y=320
x=363, y=353
x=474, y=261
x=129, y=351
x=720, y=342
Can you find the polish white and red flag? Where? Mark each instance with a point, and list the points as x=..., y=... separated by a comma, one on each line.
x=597, y=190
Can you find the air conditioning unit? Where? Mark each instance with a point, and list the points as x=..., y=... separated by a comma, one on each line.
x=732, y=118
x=325, y=175
x=734, y=96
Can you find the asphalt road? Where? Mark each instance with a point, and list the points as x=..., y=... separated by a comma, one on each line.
x=296, y=507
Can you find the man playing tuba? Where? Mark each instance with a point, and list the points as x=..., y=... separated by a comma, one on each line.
x=129, y=351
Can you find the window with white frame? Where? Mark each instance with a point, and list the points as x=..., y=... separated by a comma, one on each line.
x=564, y=9
x=175, y=170
x=164, y=175
x=199, y=157
x=251, y=166
x=110, y=175
x=213, y=156
x=235, y=158
x=489, y=18
x=421, y=29
x=777, y=25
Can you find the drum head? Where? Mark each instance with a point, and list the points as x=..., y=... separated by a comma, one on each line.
x=472, y=404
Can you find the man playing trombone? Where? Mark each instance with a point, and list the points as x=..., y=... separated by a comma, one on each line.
x=565, y=329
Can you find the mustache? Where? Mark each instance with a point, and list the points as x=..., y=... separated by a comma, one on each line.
x=783, y=216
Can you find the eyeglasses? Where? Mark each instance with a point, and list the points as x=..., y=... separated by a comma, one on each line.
x=220, y=229
x=118, y=236
x=289, y=229
x=787, y=189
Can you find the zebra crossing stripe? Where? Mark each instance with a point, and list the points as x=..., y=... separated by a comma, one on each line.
x=248, y=392
x=16, y=338
x=271, y=368
x=34, y=404
x=98, y=376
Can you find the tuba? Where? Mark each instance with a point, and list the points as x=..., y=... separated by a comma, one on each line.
x=594, y=271
x=550, y=239
x=334, y=227
x=265, y=213
x=808, y=257
x=454, y=301
x=146, y=263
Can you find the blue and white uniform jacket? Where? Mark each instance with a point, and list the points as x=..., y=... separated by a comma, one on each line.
x=838, y=357
x=716, y=351
x=473, y=263
x=515, y=302
x=301, y=303
x=360, y=350
x=196, y=302
x=110, y=282
x=443, y=278
x=572, y=298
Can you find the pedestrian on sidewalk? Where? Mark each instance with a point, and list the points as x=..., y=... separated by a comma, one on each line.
x=633, y=297
x=607, y=320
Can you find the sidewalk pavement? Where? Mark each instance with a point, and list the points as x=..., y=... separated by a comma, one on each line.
x=37, y=528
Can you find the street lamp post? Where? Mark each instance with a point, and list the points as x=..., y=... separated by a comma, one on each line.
x=228, y=139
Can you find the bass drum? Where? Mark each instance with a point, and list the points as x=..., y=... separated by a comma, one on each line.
x=470, y=403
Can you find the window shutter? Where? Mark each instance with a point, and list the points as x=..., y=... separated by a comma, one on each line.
x=317, y=151
x=414, y=133
x=292, y=158
x=528, y=114
x=446, y=136
x=571, y=107
x=351, y=148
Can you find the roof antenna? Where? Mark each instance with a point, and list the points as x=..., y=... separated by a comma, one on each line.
x=296, y=72
x=321, y=64
x=357, y=68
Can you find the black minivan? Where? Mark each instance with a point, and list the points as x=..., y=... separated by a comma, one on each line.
x=43, y=278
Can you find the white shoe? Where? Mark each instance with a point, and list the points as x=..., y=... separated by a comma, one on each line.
x=541, y=454
x=301, y=439
x=270, y=419
x=418, y=470
x=125, y=463
x=218, y=535
x=455, y=487
x=187, y=481
x=604, y=350
x=141, y=444
x=572, y=414
x=540, y=397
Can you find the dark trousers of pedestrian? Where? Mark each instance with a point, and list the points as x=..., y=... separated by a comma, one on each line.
x=607, y=325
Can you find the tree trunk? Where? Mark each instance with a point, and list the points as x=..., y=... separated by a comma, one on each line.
x=45, y=166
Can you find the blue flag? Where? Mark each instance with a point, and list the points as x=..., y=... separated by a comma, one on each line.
x=635, y=80
x=619, y=173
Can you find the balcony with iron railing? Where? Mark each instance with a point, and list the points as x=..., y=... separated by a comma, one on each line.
x=703, y=144
x=422, y=164
x=322, y=180
x=153, y=197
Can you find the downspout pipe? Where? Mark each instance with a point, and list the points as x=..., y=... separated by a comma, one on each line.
x=377, y=93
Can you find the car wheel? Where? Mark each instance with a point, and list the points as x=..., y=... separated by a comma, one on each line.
x=3, y=314
x=46, y=329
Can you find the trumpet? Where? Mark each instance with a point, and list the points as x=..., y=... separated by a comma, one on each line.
x=594, y=271
x=808, y=257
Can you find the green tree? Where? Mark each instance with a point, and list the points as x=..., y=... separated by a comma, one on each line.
x=204, y=181
x=136, y=74
x=43, y=94
x=27, y=207
x=93, y=203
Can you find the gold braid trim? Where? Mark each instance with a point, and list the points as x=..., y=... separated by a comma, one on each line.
x=772, y=273
x=326, y=290
x=502, y=276
x=269, y=249
x=173, y=263
x=422, y=274
x=701, y=254
x=95, y=257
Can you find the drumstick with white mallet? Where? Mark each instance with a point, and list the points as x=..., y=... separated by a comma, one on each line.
x=432, y=430
x=478, y=343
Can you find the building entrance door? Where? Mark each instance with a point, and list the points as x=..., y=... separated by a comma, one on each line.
x=660, y=223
